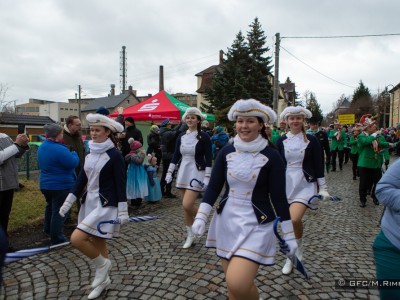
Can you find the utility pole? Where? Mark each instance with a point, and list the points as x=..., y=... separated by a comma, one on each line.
x=123, y=68
x=79, y=102
x=276, y=77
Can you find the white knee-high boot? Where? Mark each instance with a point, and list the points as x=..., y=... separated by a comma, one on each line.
x=103, y=266
x=299, y=250
x=189, y=238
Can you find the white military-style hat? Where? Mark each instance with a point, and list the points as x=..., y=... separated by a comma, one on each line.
x=102, y=120
x=193, y=111
x=251, y=108
x=295, y=111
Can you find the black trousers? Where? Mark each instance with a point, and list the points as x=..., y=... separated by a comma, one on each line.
x=354, y=160
x=166, y=188
x=335, y=153
x=6, y=200
x=369, y=177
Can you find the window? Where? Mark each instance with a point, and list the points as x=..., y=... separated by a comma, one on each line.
x=62, y=119
x=61, y=108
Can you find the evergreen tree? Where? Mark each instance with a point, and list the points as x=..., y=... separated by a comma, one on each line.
x=244, y=74
x=258, y=85
x=361, y=102
x=229, y=85
x=313, y=106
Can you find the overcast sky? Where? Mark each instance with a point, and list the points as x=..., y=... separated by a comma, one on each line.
x=48, y=48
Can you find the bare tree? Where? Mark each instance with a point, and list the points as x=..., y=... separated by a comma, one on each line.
x=3, y=93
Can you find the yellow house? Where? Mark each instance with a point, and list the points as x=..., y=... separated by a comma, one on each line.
x=394, y=106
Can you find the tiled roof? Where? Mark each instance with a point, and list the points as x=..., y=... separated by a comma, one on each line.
x=211, y=70
x=6, y=118
x=107, y=102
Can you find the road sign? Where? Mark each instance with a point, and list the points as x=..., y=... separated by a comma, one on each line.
x=347, y=119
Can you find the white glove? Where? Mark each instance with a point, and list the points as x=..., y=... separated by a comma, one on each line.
x=323, y=188
x=288, y=236
x=199, y=225
x=71, y=198
x=168, y=178
x=206, y=181
x=374, y=134
x=324, y=193
x=123, y=216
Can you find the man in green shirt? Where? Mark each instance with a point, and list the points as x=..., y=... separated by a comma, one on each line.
x=370, y=160
x=338, y=137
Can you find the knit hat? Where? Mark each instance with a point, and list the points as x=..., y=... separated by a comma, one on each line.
x=103, y=111
x=130, y=120
x=295, y=111
x=193, y=111
x=102, y=120
x=154, y=128
x=251, y=108
x=52, y=130
x=134, y=144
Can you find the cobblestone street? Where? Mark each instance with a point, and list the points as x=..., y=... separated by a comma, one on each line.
x=149, y=262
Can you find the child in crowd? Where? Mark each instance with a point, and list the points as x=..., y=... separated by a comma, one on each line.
x=152, y=180
x=136, y=185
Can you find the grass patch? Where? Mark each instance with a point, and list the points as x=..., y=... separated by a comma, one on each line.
x=28, y=206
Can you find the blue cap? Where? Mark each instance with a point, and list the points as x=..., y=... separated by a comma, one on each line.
x=165, y=122
x=103, y=111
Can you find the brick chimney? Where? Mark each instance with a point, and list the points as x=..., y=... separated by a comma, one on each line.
x=221, y=57
x=112, y=92
x=161, y=87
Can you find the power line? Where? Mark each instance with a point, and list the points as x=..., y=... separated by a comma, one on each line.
x=316, y=69
x=338, y=36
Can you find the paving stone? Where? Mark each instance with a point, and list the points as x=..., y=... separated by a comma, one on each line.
x=149, y=262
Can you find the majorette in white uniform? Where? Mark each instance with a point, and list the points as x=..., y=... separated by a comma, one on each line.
x=187, y=167
x=254, y=176
x=297, y=187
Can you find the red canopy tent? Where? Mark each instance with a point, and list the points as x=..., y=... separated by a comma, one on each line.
x=158, y=107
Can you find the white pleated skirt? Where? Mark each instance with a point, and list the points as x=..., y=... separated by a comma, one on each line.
x=236, y=232
x=92, y=212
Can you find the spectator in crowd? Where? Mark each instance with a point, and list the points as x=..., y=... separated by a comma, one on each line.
x=130, y=132
x=154, y=144
x=387, y=244
x=104, y=111
x=322, y=137
x=3, y=252
x=168, y=140
x=103, y=177
x=205, y=126
x=152, y=180
x=304, y=172
x=219, y=140
x=338, y=139
x=57, y=177
x=193, y=153
x=253, y=174
x=9, y=152
x=73, y=139
x=136, y=184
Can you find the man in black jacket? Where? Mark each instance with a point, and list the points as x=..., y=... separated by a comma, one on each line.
x=322, y=137
x=130, y=132
x=168, y=141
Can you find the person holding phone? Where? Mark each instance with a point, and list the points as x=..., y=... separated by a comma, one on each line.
x=9, y=152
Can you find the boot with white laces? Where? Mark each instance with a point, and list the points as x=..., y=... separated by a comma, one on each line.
x=288, y=267
x=100, y=288
x=189, y=239
x=103, y=266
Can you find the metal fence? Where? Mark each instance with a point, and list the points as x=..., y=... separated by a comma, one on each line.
x=28, y=162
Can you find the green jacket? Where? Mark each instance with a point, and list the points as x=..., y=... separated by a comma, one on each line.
x=275, y=136
x=335, y=144
x=75, y=143
x=368, y=158
x=354, y=145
